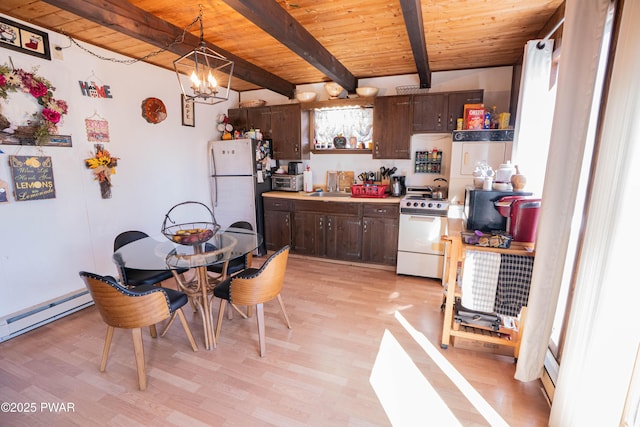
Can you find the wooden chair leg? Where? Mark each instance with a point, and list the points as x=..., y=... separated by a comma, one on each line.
x=223, y=304
x=186, y=327
x=105, y=350
x=153, y=331
x=261, y=337
x=138, y=349
x=169, y=323
x=284, y=311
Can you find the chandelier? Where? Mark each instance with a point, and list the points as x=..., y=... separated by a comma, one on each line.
x=209, y=73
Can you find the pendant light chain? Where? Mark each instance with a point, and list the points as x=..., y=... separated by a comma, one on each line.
x=179, y=39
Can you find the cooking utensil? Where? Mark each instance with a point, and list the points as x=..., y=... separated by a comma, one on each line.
x=439, y=193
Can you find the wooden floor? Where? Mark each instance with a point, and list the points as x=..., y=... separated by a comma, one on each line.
x=364, y=351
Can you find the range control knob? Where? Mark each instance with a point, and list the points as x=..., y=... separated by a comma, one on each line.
x=415, y=204
x=408, y=204
x=439, y=205
x=430, y=205
x=423, y=204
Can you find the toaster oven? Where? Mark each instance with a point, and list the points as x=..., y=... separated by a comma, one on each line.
x=282, y=182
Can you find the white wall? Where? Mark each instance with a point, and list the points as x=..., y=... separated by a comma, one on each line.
x=44, y=243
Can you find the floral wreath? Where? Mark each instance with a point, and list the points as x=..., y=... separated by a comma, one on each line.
x=16, y=79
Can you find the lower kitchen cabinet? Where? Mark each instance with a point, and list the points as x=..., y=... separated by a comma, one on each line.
x=357, y=232
x=343, y=237
x=380, y=234
x=277, y=223
x=325, y=229
x=308, y=234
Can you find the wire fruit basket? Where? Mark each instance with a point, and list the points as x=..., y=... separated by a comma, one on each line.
x=189, y=233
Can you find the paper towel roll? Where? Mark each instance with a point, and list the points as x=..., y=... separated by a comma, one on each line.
x=308, y=181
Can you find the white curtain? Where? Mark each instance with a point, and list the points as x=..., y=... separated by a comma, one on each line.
x=535, y=114
x=603, y=333
x=581, y=47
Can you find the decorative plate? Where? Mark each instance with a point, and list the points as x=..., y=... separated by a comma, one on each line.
x=153, y=110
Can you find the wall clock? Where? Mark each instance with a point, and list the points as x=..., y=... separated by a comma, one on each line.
x=153, y=110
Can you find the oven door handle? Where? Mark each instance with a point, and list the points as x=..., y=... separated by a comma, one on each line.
x=422, y=218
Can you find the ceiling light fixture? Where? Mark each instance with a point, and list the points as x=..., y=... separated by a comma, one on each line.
x=209, y=73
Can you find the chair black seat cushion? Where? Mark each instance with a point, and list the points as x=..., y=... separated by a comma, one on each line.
x=146, y=277
x=176, y=298
x=223, y=290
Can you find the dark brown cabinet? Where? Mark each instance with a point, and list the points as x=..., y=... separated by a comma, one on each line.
x=439, y=112
x=286, y=131
x=343, y=237
x=308, y=234
x=324, y=229
x=244, y=119
x=392, y=127
x=346, y=231
x=277, y=220
x=281, y=123
x=380, y=234
x=455, y=105
x=430, y=113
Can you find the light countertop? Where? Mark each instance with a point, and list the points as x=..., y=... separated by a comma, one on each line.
x=301, y=195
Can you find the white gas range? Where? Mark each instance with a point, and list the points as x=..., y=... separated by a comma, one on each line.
x=423, y=220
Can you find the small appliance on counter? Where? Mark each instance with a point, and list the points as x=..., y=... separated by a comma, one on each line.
x=295, y=168
x=398, y=187
x=285, y=182
x=480, y=211
x=522, y=216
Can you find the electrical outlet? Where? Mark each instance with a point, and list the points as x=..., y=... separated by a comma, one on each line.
x=57, y=52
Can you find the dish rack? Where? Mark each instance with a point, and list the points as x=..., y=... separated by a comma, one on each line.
x=369, y=190
x=189, y=233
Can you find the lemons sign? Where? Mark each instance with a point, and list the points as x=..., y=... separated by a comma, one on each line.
x=32, y=177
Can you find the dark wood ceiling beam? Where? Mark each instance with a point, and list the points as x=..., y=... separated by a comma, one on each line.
x=412, y=13
x=274, y=20
x=122, y=16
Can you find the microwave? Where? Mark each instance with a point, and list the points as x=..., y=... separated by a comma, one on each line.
x=282, y=182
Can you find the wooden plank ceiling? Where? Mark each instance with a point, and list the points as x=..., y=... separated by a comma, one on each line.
x=278, y=44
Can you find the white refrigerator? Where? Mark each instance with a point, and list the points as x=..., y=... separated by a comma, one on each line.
x=237, y=182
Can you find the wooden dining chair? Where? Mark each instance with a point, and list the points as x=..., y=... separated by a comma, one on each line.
x=132, y=277
x=254, y=287
x=142, y=306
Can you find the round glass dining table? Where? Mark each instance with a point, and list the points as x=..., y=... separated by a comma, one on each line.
x=159, y=253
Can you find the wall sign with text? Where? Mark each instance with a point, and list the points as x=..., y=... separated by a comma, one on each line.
x=32, y=177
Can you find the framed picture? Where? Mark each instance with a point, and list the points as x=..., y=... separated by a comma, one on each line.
x=24, y=39
x=188, y=112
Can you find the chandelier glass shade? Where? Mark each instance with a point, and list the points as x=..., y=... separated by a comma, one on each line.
x=209, y=74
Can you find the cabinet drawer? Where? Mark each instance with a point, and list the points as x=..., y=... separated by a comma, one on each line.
x=381, y=211
x=316, y=206
x=277, y=204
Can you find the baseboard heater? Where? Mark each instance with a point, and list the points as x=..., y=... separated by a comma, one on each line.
x=23, y=321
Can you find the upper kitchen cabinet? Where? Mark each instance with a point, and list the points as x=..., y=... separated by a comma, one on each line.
x=430, y=112
x=251, y=118
x=282, y=123
x=286, y=132
x=392, y=127
x=438, y=112
x=455, y=105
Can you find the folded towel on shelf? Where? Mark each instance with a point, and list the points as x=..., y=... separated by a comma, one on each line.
x=514, y=281
x=479, y=280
